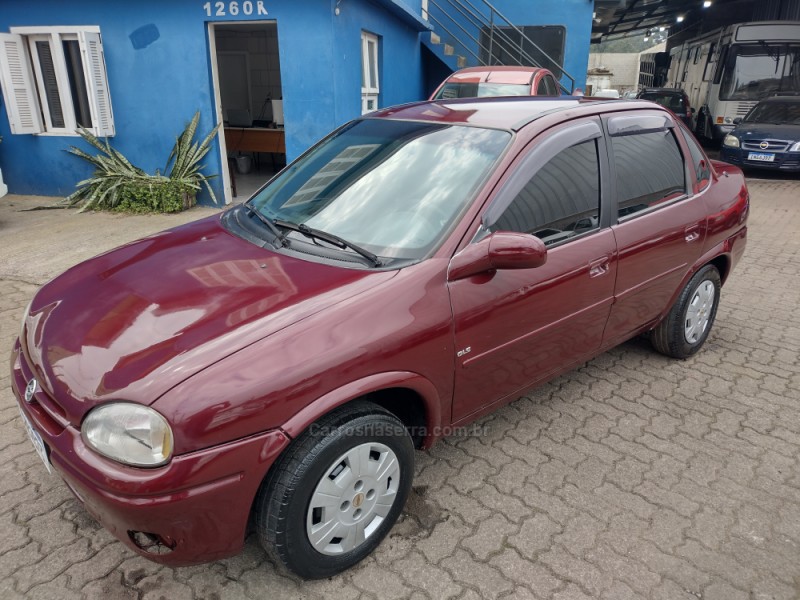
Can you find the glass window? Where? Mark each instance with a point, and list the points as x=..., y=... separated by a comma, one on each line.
x=55, y=80
x=392, y=187
x=456, y=89
x=541, y=88
x=779, y=112
x=759, y=71
x=561, y=200
x=702, y=168
x=370, y=75
x=649, y=170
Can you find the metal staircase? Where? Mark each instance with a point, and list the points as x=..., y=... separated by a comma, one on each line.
x=473, y=32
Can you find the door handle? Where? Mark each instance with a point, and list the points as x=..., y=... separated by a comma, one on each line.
x=599, y=267
x=691, y=233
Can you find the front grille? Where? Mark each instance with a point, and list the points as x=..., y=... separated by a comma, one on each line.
x=744, y=107
x=770, y=145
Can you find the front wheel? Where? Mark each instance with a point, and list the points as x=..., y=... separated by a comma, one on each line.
x=337, y=491
x=686, y=327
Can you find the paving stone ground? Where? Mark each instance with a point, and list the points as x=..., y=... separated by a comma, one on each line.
x=634, y=476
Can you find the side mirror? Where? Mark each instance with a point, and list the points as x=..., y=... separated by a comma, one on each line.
x=499, y=251
x=737, y=120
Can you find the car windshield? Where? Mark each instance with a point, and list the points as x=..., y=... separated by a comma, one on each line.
x=481, y=90
x=392, y=187
x=755, y=72
x=779, y=113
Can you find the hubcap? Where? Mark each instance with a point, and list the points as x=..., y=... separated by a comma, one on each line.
x=698, y=314
x=353, y=498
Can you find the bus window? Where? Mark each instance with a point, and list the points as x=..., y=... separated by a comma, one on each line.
x=754, y=72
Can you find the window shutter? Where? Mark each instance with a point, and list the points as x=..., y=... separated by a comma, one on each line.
x=19, y=90
x=94, y=68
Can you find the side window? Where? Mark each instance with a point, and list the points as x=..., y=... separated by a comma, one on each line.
x=561, y=200
x=541, y=87
x=702, y=168
x=552, y=86
x=649, y=170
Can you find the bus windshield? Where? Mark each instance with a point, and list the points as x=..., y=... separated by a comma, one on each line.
x=757, y=71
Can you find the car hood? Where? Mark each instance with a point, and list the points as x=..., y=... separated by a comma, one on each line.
x=765, y=130
x=134, y=322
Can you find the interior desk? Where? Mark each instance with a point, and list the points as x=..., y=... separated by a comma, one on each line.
x=255, y=139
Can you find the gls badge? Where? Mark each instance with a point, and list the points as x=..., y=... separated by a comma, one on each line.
x=30, y=390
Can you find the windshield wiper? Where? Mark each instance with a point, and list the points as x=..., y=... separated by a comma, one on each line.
x=281, y=239
x=330, y=238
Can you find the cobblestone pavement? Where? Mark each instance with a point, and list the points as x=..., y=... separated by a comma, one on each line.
x=634, y=476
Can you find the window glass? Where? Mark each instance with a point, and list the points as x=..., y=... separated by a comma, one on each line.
x=561, y=200
x=649, y=169
x=77, y=83
x=702, y=168
x=50, y=83
x=392, y=187
x=759, y=71
x=541, y=88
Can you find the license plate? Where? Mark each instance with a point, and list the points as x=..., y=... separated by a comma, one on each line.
x=36, y=440
x=761, y=156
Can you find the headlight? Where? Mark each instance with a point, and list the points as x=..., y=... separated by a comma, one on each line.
x=128, y=433
x=795, y=148
x=731, y=141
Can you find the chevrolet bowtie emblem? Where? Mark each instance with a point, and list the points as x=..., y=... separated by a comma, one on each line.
x=30, y=390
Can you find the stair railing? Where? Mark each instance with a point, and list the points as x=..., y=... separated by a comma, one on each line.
x=495, y=24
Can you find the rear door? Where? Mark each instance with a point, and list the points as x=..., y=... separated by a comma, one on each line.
x=660, y=225
x=516, y=327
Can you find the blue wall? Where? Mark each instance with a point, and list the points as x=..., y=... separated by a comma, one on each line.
x=574, y=15
x=156, y=89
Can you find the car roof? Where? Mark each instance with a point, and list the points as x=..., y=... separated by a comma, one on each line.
x=497, y=74
x=512, y=112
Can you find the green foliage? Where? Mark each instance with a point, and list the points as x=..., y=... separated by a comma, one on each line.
x=157, y=195
x=116, y=184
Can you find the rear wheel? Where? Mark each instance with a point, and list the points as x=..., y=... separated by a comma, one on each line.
x=337, y=491
x=685, y=329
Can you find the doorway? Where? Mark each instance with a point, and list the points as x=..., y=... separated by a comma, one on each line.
x=248, y=97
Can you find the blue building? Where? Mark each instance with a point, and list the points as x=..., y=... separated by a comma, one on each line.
x=277, y=75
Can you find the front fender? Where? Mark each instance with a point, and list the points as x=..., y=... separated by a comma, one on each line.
x=374, y=383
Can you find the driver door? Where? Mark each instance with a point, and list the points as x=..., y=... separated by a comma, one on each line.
x=514, y=328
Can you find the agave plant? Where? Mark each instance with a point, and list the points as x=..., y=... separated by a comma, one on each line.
x=183, y=164
x=113, y=172
x=114, y=176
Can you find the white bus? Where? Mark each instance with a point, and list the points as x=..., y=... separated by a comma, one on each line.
x=727, y=71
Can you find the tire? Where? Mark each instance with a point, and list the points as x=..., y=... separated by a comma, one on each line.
x=685, y=329
x=344, y=481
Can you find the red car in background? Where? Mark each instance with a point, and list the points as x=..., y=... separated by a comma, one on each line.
x=421, y=266
x=480, y=82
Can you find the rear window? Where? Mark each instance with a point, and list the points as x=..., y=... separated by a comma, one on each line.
x=649, y=168
x=481, y=90
x=670, y=101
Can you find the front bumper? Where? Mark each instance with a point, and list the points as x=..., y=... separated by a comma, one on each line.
x=193, y=509
x=784, y=161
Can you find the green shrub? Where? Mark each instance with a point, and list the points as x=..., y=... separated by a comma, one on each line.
x=155, y=195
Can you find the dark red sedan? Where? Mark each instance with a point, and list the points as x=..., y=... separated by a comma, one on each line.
x=415, y=270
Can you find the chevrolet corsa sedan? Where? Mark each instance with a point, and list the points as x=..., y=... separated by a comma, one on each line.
x=413, y=271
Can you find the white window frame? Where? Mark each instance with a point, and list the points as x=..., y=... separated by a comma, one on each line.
x=23, y=88
x=370, y=82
